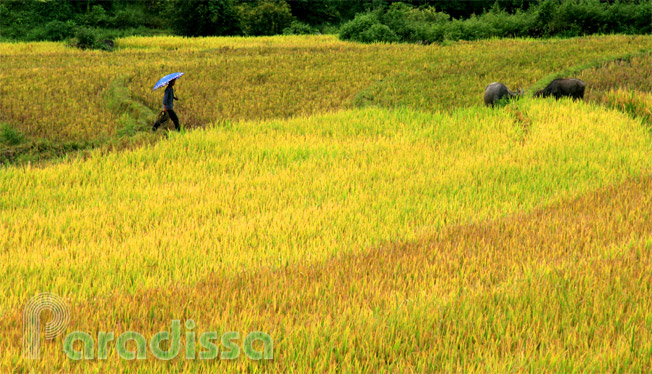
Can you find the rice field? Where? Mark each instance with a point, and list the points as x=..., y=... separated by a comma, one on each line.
x=354, y=204
x=63, y=94
x=623, y=84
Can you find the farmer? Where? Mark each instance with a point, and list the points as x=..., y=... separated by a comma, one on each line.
x=168, y=106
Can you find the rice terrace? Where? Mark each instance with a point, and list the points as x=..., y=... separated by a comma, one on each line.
x=329, y=205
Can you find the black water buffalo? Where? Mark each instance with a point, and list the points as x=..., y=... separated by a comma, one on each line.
x=496, y=91
x=570, y=87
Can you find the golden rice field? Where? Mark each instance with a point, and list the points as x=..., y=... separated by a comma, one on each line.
x=625, y=85
x=358, y=203
x=63, y=94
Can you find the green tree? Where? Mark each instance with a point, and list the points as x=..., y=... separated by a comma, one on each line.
x=316, y=12
x=224, y=18
x=202, y=17
x=265, y=18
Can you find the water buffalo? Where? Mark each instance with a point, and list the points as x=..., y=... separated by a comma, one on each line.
x=496, y=91
x=570, y=87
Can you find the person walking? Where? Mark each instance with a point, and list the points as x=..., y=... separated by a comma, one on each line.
x=168, y=107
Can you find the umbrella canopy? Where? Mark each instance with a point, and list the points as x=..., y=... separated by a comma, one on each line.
x=166, y=79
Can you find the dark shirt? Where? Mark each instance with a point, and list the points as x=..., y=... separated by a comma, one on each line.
x=168, y=98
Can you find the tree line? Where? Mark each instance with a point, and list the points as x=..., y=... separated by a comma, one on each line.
x=87, y=21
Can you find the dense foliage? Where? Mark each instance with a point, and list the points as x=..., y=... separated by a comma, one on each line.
x=408, y=23
x=367, y=21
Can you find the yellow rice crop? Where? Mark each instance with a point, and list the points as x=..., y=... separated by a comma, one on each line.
x=623, y=84
x=258, y=196
x=434, y=235
x=50, y=91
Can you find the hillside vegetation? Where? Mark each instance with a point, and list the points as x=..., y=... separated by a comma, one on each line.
x=86, y=23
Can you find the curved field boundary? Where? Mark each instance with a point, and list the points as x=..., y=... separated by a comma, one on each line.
x=134, y=117
x=277, y=192
x=563, y=286
x=444, y=78
x=577, y=69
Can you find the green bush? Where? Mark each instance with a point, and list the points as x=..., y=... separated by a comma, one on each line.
x=399, y=23
x=86, y=38
x=202, y=17
x=507, y=25
x=398, y=19
x=128, y=18
x=630, y=18
x=96, y=17
x=475, y=28
x=299, y=28
x=547, y=18
x=10, y=136
x=379, y=33
x=319, y=12
x=574, y=18
x=53, y=31
x=265, y=17
x=353, y=29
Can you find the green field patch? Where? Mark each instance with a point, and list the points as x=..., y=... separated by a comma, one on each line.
x=134, y=116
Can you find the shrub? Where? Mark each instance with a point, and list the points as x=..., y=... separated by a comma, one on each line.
x=629, y=18
x=299, y=28
x=53, y=31
x=85, y=38
x=431, y=15
x=202, y=17
x=128, y=17
x=547, y=18
x=353, y=29
x=329, y=29
x=10, y=136
x=378, y=33
x=474, y=28
x=400, y=23
x=398, y=19
x=544, y=15
x=97, y=17
x=415, y=25
x=453, y=30
x=506, y=25
x=577, y=18
x=265, y=17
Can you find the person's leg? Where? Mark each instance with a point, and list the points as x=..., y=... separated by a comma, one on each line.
x=175, y=119
x=162, y=118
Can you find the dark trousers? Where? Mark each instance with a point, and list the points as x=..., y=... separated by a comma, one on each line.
x=173, y=116
x=175, y=119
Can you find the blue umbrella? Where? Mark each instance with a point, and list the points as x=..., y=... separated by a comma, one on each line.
x=166, y=79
